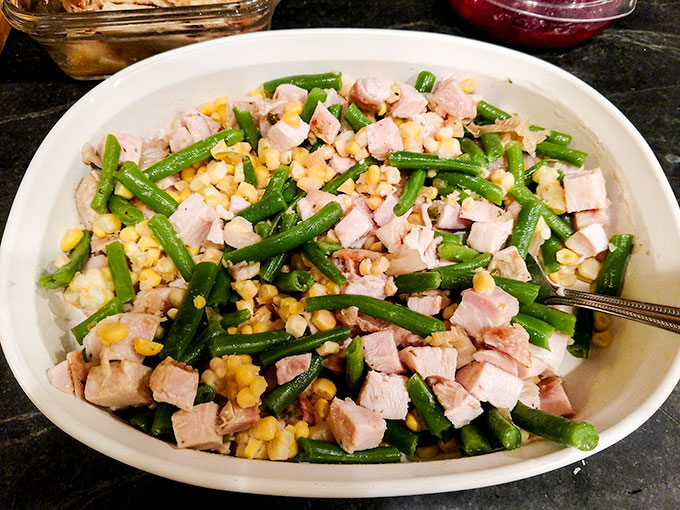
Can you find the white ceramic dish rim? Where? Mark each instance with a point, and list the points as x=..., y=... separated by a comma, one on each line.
x=272, y=478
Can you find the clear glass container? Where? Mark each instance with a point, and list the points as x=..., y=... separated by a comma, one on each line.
x=93, y=45
x=4, y=29
x=543, y=23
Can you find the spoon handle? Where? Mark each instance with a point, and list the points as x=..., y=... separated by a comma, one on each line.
x=660, y=316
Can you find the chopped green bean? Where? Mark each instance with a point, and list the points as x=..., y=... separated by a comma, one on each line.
x=165, y=234
x=284, y=395
x=235, y=318
x=144, y=189
x=276, y=182
x=302, y=345
x=271, y=268
x=352, y=173
x=473, y=441
x=421, y=161
x=539, y=331
x=306, y=81
x=316, y=256
x=476, y=153
x=294, y=281
x=583, y=332
x=113, y=307
x=221, y=343
x=401, y=438
x=515, y=159
x=418, y=282
x=425, y=81
x=120, y=272
x=106, y=181
x=356, y=118
x=557, y=151
x=457, y=252
x=127, y=213
x=549, y=251
x=355, y=366
x=492, y=146
x=324, y=452
x=479, y=185
x=266, y=207
x=63, y=276
x=249, y=172
x=610, y=280
x=414, y=184
x=250, y=131
x=315, y=96
x=523, y=232
x=561, y=321
x=560, y=227
x=502, y=428
x=429, y=408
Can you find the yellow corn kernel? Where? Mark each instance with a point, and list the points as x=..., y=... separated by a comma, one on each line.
x=467, y=204
x=113, y=333
x=554, y=277
x=296, y=308
x=122, y=191
x=483, y=282
x=390, y=287
x=245, y=375
x=192, y=251
x=448, y=311
x=61, y=260
x=427, y=452
x=246, y=398
x=296, y=325
x=468, y=85
x=242, y=304
x=354, y=148
x=377, y=246
x=507, y=182
x=294, y=107
x=233, y=330
x=71, y=238
x=129, y=234
x=324, y=320
x=414, y=422
x=199, y=302
x=383, y=109
x=261, y=327
x=328, y=348
x=497, y=176
x=347, y=187
x=566, y=256
x=317, y=289
x=374, y=202
x=184, y=194
x=248, y=191
x=142, y=228
x=266, y=293
x=589, y=269
x=380, y=265
x=429, y=192
x=134, y=277
x=258, y=385
x=148, y=279
x=172, y=313
x=321, y=409
x=601, y=321
x=602, y=338
x=301, y=429
x=247, y=330
x=365, y=267
x=147, y=242
x=188, y=174
x=265, y=429
x=292, y=119
x=206, y=108
x=176, y=296
x=283, y=446
x=324, y=388
x=373, y=174
x=208, y=377
x=107, y=223
x=567, y=280
x=256, y=93
x=252, y=448
x=245, y=288
x=448, y=447
x=147, y=347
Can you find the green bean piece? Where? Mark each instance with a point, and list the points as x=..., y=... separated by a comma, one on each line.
x=127, y=213
x=286, y=241
x=554, y=136
x=317, y=257
x=63, y=276
x=457, y=252
x=204, y=393
x=355, y=366
x=352, y=173
x=162, y=419
x=502, y=428
x=120, y=272
x=561, y=321
x=191, y=155
x=249, y=172
x=289, y=190
x=276, y=182
x=461, y=280
x=414, y=184
x=523, y=232
x=265, y=208
x=490, y=112
x=418, y=282
x=271, y=268
x=579, y=434
x=194, y=352
x=221, y=290
x=515, y=158
x=221, y=343
x=479, y=185
x=444, y=189
x=476, y=153
x=190, y=311
x=473, y=440
x=425, y=81
x=336, y=110
x=165, y=234
x=331, y=80
x=429, y=408
x=398, y=315
x=250, y=132
x=285, y=394
x=235, y=318
x=303, y=345
x=316, y=451
x=294, y=281
x=401, y=438
x=114, y=306
x=141, y=186
x=481, y=260
x=549, y=251
x=583, y=333
x=109, y=167
x=447, y=237
x=560, y=227
x=610, y=280
x=556, y=151
x=539, y=331
x=315, y=96
x=327, y=247
x=316, y=145
x=420, y=161
x=493, y=148
x=143, y=419
x=529, y=173
x=356, y=118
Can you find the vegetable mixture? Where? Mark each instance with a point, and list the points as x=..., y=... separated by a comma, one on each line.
x=338, y=271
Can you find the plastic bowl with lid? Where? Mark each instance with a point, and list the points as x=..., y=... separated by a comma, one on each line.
x=543, y=23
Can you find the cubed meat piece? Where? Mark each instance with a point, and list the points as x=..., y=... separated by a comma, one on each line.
x=154, y=301
x=59, y=376
x=283, y=136
x=482, y=210
x=430, y=123
x=354, y=427
x=290, y=367
x=238, y=204
x=449, y=217
x=553, y=398
x=536, y=368
x=585, y=189
x=479, y=312
x=356, y=224
x=385, y=213
x=239, y=233
x=383, y=138
x=77, y=371
x=512, y=340
x=508, y=263
x=588, y=242
x=130, y=147
x=85, y=192
x=175, y=383
x=488, y=383
x=459, y=406
x=369, y=93
x=489, y=237
x=288, y=93
x=197, y=428
x=118, y=385
x=139, y=325
x=430, y=361
x=422, y=239
x=530, y=395
x=410, y=103
x=429, y=302
x=392, y=234
x=370, y=285
x=380, y=352
x=498, y=359
x=193, y=220
x=340, y=164
x=449, y=99
x=551, y=358
x=385, y=394
x=232, y=418
x=323, y=124
x=582, y=219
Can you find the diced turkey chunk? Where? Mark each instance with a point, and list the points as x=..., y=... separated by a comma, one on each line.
x=290, y=367
x=482, y=210
x=238, y=204
x=479, y=312
x=85, y=192
x=551, y=358
x=369, y=93
x=423, y=241
x=383, y=138
x=340, y=164
x=140, y=325
x=508, y=263
x=585, y=189
x=553, y=398
x=288, y=92
x=589, y=241
x=449, y=99
x=175, y=383
x=77, y=371
x=232, y=418
x=130, y=147
x=380, y=351
x=193, y=219
x=385, y=394
x=582, y=219
x=392, y=233
x=283, y=136
x=385, y=213
x=530, y=395
x=239, y=233
x=498, y=359
x=197, y=428
x=489, y=237
x=118, y=385
x=354, y=427
x=512, y=340
x=449, y=217
x=356, y=224
x=59, y=376
x=410, y=103
x=430, y=123
x=488, y=383
x=430, y=361
x=154, y=301
x=323, y=124
x=459, y=406
x=369, y=285
x=429, y=302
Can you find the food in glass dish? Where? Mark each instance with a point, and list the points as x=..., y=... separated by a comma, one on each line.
x=119, y=5
x=338, y=271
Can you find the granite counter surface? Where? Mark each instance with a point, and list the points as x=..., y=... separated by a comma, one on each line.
x=635, y=63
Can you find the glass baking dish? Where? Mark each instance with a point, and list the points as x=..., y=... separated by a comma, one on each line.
x=93, y=45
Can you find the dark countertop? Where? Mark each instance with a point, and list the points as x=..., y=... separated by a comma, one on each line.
x=635, y=63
